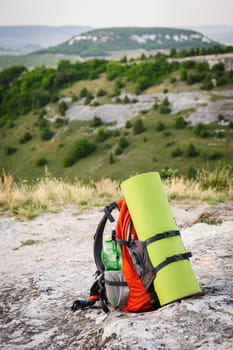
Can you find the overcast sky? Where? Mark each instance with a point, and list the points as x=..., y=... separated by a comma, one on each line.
x=107, y=13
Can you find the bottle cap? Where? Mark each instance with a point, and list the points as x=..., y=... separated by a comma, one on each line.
x=108, y=238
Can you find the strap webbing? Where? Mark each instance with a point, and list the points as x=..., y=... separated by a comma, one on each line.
x=116, y=283
x=162, y=235
x=169, y=260
x=150, y=240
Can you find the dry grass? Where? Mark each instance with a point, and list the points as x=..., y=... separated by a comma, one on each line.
x=51, y=194
x=186, y=190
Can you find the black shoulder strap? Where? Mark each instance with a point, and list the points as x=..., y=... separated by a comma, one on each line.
x=98, y=237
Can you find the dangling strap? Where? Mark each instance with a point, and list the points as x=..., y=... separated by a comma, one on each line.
x=97, y=293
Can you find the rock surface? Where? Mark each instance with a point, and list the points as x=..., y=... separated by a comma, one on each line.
x=205, y=110
x=47, y=263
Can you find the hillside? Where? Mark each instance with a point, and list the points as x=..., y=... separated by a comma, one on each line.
x=104, y=118
x=101, y=42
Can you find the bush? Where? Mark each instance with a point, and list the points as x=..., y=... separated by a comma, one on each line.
x=10, y=150
x=96, y=122
x=68, y=161
x=42, y=122
x=101, y=92
x=46, y=134
x=191, y=150
x=102, y=134
x=74, y=98
x=201, y=130
x=123, y=142
x=177, y=152
x=83, y=92
x=163, y=109
x=160, y=126
x=89, y=98
x=192, y=173
x=81, y=149
x=169, y=172
x=180, y=122
x=119, y=150
x=60, y=122
x=62, y=107
x=26, y=137
x=215, y=155
x=138, y=126
x=128, y=124
x=41, y=161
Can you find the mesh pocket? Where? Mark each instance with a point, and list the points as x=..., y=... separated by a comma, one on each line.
x=116, y=288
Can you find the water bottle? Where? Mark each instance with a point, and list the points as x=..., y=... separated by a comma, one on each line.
x=111, y=255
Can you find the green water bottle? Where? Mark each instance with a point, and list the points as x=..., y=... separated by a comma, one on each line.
x=111, y=255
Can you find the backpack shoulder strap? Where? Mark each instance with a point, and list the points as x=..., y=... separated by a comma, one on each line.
x=98, y=237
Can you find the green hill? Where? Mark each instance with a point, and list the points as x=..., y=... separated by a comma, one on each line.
x=37, y=132
x=101, y=42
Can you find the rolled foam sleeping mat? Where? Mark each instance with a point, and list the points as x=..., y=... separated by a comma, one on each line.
x=151, y=215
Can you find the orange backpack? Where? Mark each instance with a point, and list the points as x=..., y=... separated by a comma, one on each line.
x=130, y=289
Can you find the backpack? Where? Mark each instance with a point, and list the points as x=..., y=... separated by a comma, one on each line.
x=130, y=289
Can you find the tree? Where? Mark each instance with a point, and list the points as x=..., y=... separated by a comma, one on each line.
x=191, y=150
x=138, y=126
x=62, y=107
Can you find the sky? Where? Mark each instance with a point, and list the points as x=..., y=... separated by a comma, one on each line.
x=117, y=13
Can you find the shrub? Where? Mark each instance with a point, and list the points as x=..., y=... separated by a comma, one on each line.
x=83, y=92
x=169, y=172
x=60, y=122
x=165, y=106
x=155, y=106
x=111, y=159
x=95, y=103
x=138, y=126
x=82, y=148
x=201, y=130
x=46, y=134
x=101, y=92
x=192, y=173
x=102, y=134
x=160, y=126
x=68, y=161
x=26, y=137
x=96, y=122
x=191, y=150
x=180, y=122
x=89, y=98
x=123, y=142
x=62, y=107
x=41, y=161
x=74, y=98
x=128, y=124
x=164, y=109
x=119, y=150
x=10, y=150
x=215, y=155
x=177, y=152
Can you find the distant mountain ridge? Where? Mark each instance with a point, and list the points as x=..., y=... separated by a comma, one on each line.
x=23, y=39
x=100, y=42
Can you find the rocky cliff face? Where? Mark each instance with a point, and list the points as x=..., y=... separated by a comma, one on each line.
x=46, y=263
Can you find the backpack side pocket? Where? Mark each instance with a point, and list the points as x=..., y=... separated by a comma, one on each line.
x=116, y=288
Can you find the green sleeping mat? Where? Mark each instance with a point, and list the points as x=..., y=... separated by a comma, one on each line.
x=151, y=215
